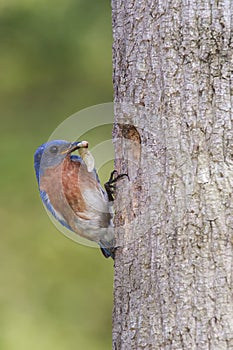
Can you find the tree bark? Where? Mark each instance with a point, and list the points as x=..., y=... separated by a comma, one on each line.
x=173, y=135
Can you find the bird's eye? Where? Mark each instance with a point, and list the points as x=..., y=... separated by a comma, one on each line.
x=53, y=149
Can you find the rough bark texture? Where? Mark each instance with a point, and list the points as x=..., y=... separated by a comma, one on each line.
x=173, y=81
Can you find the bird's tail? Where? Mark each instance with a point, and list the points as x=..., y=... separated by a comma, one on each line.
x=108, y=248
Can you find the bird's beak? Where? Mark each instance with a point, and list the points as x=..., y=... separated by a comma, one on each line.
x=76, y=145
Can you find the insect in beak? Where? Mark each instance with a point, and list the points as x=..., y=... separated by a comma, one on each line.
x=74, y=146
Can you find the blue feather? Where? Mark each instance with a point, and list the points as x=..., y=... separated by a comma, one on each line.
x=107, y=248
x=49, y=206
x=107, y=253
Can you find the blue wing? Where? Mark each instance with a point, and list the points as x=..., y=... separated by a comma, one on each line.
x=45, y=198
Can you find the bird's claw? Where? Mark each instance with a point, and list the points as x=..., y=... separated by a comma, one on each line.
x=110, y=185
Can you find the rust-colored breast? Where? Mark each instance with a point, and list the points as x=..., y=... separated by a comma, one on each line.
x=63, y=187
x=72, y=186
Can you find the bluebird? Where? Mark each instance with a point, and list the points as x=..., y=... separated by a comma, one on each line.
x=70, y=189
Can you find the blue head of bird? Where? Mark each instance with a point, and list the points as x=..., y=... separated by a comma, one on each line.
x=52, y=153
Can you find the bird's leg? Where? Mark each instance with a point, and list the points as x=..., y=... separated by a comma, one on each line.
x=110, y=186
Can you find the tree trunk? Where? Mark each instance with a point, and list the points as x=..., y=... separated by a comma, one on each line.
x=173, y=135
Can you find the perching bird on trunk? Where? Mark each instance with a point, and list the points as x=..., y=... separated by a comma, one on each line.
x=70, y=189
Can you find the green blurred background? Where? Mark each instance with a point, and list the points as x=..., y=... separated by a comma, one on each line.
x=55, y=59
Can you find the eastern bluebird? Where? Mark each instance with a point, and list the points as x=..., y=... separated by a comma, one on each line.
x=70, y=189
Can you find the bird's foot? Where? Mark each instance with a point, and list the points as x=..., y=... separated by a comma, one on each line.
x=110, y=186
